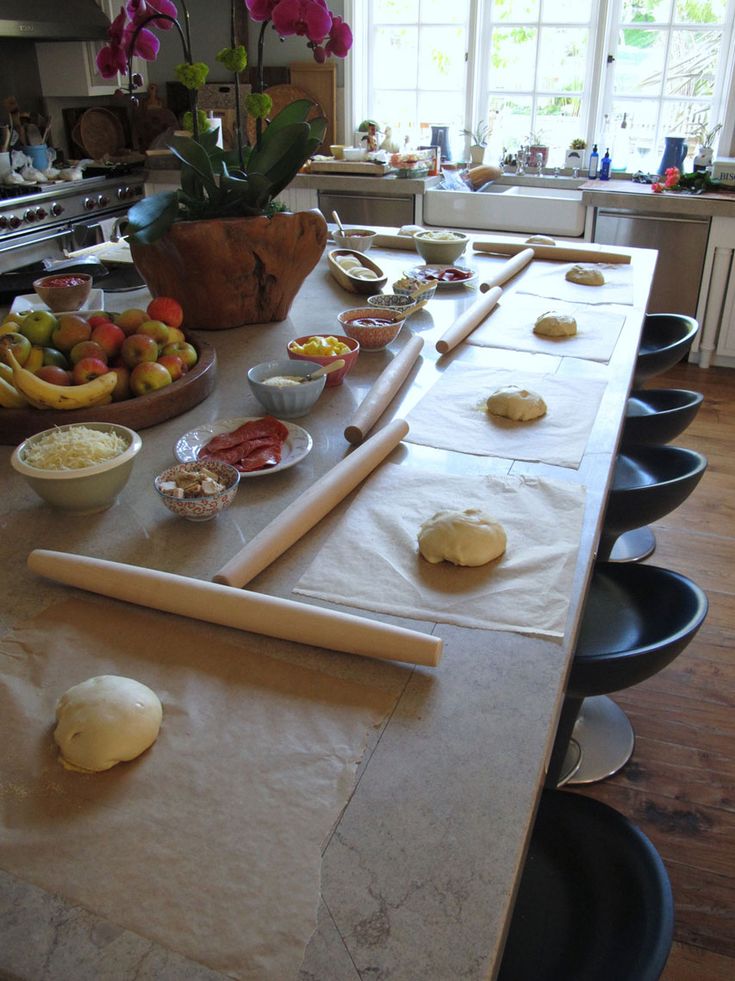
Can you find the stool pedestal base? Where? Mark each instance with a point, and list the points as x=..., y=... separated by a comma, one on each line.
x=601, y=744
x=633, y=546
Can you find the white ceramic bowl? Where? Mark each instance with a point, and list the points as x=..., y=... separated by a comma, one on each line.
x=87, y=489
x=357, y=239
x=208, y=506
x=442, y=252
x=292, y=401
x=354, y=153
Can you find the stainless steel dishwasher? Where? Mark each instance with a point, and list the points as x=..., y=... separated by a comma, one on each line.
x=681, y=241
x=368, y=209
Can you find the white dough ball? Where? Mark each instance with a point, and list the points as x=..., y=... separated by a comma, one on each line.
x=516, y=403
x=470, y=537
x=585, y=276
x=553, y=324
x=540, y=240
x=106, y=720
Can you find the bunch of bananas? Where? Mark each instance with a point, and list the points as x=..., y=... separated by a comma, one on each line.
x=20, y=388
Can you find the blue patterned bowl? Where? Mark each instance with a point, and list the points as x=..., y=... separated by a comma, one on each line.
x=207, y=506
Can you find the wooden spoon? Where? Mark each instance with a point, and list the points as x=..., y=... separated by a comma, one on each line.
x=339, y=223
x=325, y=369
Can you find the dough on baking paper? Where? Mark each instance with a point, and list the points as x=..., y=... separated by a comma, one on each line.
x=106, y=720
x=553, y=324
x=470, y=537
x=516, y=403
x=540, y=240
x=585, y=276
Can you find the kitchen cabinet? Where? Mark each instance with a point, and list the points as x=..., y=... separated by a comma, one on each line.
x=716, y=310
x=68, y=68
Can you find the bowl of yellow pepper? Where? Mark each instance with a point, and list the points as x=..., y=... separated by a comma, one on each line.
x=324, y=349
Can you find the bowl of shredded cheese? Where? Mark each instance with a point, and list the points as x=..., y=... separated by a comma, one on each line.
x=441, y=247
x=79, y=468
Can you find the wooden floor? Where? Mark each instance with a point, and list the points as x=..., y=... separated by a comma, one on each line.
x=679, y=786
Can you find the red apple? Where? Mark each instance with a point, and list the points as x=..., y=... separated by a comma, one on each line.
x=174, y=365
x=87, y=370
x=121, y=391
x=167, y=309
x=155, y=329
x=130, y=320
x=54, y=374
x=148, y=376
x=98, y=318
x=138, y=348
x=109, y=336
x=70, y=330
x=87, y=349
x=187, y=352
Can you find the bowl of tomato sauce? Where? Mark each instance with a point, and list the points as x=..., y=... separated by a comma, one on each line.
x=373, y=327
x=62, y=292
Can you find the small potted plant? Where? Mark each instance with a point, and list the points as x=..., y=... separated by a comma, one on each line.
x=576, y=155
x=537, y=149
x=478, y=142
x=706, y=139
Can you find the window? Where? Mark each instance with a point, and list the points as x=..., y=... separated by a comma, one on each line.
x=621, y=73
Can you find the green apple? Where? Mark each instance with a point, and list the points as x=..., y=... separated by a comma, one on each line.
x=38, y=327
x=18, y=344
x=52, y=355
x=148, y=376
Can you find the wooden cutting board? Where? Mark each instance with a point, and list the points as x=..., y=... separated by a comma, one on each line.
x=365, y=167
x=113, y=253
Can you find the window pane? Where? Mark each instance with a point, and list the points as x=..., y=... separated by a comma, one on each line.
x=710, y=12
x=645, y=11
x=564, y=12
x=513, y=121
x=642, y=121
x=395, y=109
x=442, y=59
x=562, y=59
x=639, y=62
x=516, y=11
x=682, y=119
x=693, y=63
x=395, y=57
x=441, y=12
x=513, y=52
x=557, y=124
x=395, y=11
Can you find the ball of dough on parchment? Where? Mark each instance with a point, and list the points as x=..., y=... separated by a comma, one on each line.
x=470, y=537
x=585, y=276
x=553, y=324
x=516, y=403
x=540, y=240
x=106, y=720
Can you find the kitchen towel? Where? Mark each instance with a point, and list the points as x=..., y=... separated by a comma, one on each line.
x=548, y=279
x=510, y=325
x=210, y=842
x=372, y=561
x=453, y=415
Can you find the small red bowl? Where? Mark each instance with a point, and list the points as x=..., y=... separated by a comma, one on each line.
x=335, y=378
x=64, y=292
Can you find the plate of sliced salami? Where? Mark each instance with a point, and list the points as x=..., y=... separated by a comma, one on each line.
x=256, y=445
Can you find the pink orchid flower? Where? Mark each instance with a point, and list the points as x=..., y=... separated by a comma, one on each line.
x=140, y=10
x=110, y=60
x=307, y=18
x=261, y=9
x=340, y=38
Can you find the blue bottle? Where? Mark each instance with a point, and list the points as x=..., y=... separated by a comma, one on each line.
x=594, y=163
x=605, y=166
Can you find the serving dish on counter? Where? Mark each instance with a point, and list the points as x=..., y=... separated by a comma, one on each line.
x=32, y=301
x=136, y=413
x=353, y=283
x=297, y=444
x=445, y=277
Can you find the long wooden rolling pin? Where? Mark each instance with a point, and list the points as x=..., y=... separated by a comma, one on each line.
x=508, y=270
x=302, y=514
x=212, y=603
x=384, y=388
x=559, y=253
x=468, y=320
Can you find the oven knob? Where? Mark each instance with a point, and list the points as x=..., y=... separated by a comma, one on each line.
x=121, y=193
x=128, y=191
x=103, y=200
x=29, y=216
x=56, y=209
x=41, y=213
x=14, y=221
x=3, y=222
x=89, y=204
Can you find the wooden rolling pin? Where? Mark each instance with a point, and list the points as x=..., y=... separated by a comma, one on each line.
x=212, y=603
x=558, y=253
x=468, y=320
x=508, y=270
x=302, y=514
x=382, y=392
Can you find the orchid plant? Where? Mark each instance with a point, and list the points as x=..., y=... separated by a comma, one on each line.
x=245, y=180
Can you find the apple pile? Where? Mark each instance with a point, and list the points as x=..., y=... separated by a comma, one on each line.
x=146, y=349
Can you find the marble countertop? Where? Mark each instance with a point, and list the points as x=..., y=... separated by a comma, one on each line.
x=418, y=876
x=640, y=197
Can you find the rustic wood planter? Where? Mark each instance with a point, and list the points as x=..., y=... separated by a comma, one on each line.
x=229, y=272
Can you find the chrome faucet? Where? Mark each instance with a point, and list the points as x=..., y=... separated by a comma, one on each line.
x=522, y=160
x=539, y=164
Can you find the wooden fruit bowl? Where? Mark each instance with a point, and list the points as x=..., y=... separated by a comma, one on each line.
x=136, y=413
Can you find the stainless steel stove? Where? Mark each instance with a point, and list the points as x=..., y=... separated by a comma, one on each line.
x=50, y=220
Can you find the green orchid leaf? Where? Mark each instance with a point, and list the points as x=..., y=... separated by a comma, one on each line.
x=151, y=218
x=286, y=143
x=318, y=128
x=294, y=112
x=193, y=155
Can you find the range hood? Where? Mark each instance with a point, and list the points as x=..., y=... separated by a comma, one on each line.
x=52, y=20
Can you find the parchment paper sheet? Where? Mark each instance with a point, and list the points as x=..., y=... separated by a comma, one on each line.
x=372, y=559
x=452, y=415
x=548, y=279
x=208, y=843
x=510, y=325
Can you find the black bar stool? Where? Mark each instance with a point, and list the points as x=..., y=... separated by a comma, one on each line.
x=654, y=416
x=648, y=483
x=636, y=620
x=665, y=339
x=594, y=903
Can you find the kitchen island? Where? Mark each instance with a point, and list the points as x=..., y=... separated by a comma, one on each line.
x=418, y=875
